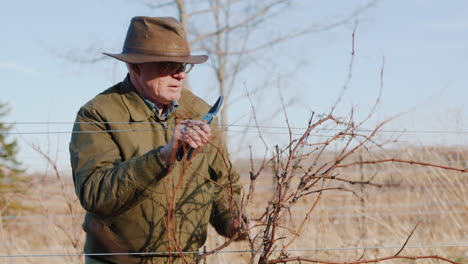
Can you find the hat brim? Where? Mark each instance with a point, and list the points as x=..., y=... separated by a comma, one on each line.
x=144, y=58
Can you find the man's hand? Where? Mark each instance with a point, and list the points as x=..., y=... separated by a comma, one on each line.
x=193, y=133
x=234, y=226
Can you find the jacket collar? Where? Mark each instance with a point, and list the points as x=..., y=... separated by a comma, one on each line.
x=137, y=108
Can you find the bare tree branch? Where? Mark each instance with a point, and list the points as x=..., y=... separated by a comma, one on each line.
x=227, y=4
x=242, y=23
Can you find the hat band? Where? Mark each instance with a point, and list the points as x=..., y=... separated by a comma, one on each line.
x=154, y=52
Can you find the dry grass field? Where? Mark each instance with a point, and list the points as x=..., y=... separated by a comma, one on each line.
x=358, y=222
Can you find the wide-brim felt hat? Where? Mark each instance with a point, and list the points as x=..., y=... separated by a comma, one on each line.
x=156, y=39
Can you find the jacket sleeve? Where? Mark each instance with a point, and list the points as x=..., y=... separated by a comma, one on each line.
x=227, y=196
x=106, y=185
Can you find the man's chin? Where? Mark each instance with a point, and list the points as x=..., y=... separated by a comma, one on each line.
x=176, y=96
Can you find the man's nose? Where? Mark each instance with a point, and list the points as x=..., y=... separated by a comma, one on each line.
x=180, y=75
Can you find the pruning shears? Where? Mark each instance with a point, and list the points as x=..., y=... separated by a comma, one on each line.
x=207, y=118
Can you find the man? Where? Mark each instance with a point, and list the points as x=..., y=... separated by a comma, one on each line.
x=139, y=198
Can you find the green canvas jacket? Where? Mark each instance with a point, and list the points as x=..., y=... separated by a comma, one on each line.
x=133, y=201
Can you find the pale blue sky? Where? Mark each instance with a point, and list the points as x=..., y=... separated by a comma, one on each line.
x=424, y=43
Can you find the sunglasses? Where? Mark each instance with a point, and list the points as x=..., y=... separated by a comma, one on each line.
x=175, y=67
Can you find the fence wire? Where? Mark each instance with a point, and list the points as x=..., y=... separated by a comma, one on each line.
x=232, y=251
x=13, y=220
x=222, y=127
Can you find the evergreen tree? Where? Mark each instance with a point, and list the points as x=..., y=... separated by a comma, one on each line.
x=9, y=166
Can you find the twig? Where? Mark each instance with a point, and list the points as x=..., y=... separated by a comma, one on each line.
x=377, y=260
x=407, y=239
x=403, y=161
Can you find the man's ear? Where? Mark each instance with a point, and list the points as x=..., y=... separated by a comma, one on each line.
x=134, y=68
